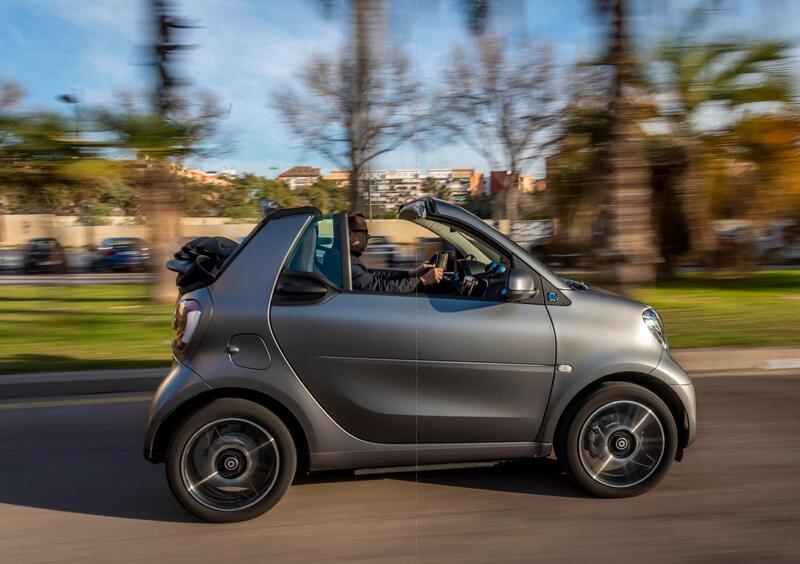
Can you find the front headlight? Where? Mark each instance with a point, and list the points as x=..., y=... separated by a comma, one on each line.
x=653, y=322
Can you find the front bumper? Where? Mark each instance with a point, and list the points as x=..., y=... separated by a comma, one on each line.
x=668, y=370
x=179, y=386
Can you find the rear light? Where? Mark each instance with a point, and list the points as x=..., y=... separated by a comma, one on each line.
x=184, y=322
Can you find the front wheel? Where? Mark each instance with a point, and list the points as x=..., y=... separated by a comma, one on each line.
x=620, y=442
x=231, y=461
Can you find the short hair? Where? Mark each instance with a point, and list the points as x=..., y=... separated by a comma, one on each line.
x=351, y=219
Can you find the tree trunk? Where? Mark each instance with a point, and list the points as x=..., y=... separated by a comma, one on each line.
x=512, y=196
x=697, y=208
x=632, y=250
x=356, y=196
x=163, y=219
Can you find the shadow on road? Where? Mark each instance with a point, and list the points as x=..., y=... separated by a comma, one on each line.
x=536, y=477
x=86, y=460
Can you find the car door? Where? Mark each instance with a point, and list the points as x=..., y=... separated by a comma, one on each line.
x=484, y=369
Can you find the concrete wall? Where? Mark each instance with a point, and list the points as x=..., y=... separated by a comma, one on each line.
x=16, y=229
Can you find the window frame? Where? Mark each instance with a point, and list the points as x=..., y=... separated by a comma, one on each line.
x=346, y=282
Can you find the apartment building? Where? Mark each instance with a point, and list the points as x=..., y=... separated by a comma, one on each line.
x=299, y=177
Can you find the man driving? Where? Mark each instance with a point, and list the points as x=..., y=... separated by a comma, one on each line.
x=396, y=281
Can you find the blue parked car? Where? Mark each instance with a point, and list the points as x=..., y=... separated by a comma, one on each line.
x=121, y=253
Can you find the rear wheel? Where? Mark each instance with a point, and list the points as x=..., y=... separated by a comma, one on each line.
x=231, y=461
x=620, y=442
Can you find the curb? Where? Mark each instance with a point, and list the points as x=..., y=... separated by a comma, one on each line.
x=738, y=359
x=80, y=382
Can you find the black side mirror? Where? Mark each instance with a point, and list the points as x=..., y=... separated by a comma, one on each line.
x=521, y=285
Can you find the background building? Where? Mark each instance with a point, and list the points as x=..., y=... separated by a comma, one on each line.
x=299, y=177
x=340, y=177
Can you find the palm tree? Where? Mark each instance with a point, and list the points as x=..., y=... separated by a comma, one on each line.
x=159, y=137
x=732, y=76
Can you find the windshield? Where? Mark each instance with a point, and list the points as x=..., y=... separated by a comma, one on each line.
x=465, y=242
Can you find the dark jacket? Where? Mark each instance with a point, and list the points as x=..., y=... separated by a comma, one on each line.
x=395, y=281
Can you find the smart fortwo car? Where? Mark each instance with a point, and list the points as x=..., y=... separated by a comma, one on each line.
x=280, y=366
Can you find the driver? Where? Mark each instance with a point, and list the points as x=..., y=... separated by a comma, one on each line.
x=396, y=281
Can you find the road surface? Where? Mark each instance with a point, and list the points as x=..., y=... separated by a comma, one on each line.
x=76, y=489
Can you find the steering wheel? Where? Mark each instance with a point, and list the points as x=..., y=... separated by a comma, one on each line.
x=462, y=280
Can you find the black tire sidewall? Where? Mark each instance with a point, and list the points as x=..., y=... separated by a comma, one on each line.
x=607, y=393
x=222, y=409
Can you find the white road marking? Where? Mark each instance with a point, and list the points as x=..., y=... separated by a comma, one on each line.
x=780, y=364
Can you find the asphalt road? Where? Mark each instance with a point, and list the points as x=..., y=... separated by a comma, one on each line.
x=74, y=488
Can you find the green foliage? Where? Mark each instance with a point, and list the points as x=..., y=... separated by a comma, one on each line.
x=432, y=187
x=482, y=205
x=326, y=196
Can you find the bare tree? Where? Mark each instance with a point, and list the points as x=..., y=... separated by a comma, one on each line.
x=502, y=101
x=356, y=105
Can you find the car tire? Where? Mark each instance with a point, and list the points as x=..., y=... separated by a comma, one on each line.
x=232, y=460
x=619, y=442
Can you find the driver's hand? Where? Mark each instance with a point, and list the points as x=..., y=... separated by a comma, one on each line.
x=433, y=276
x=420, y=270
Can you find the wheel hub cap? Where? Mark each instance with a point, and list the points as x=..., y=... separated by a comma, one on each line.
x=230, y=464
x=621, y=443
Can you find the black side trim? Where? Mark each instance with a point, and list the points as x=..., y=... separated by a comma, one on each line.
x=553, y=296
x=344, y=239
x=302, y=288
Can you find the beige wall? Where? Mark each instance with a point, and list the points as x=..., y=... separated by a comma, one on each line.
x=16, y=229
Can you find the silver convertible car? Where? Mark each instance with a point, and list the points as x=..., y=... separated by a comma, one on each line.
x=281, y=366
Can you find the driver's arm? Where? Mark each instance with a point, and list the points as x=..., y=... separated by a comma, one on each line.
x=388, y=281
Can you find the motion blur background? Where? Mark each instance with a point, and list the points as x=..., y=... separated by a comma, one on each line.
x=645, y=146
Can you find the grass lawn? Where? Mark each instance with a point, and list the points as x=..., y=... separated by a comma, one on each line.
x=113, y=326
x=81, y=328
x=712, y=310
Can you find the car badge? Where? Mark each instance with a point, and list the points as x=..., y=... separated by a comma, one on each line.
x=552, y=297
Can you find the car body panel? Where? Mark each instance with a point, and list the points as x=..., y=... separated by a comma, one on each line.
x=180, y=385
x=406, y=368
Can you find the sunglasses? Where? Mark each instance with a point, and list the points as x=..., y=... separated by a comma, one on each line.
x=359, y=230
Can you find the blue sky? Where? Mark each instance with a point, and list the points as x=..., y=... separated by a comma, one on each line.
x=245, y=48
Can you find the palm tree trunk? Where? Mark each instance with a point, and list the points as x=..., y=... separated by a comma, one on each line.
x=696, y=207
x=163, y=219
x=366, y=15
x=632, y=250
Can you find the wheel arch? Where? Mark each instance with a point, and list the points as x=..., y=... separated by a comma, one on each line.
x=658, y=387
x=167, y=427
